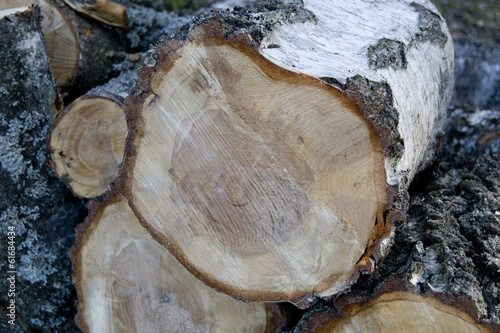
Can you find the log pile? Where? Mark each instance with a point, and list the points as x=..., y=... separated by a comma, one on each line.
x=264, y=155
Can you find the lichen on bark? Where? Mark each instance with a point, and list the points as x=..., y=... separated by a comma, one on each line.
x=257, y=20
x=38, y=206
x=454, y=232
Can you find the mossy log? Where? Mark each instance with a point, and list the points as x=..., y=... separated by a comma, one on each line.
x=286, y=150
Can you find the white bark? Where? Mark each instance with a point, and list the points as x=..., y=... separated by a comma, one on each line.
x=337, y=46
x=394, y=59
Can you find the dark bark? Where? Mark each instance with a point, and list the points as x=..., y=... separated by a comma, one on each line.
x=41, y=211
x=99, y=46
x=449, y=249
x=117, y=88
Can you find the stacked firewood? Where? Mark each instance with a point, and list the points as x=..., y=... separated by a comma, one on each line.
x=255, y=167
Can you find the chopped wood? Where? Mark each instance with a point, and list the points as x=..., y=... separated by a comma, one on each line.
x=86, y=144
x=401, y=312
x=288, y=169
x=88, y=138
x=127, y=282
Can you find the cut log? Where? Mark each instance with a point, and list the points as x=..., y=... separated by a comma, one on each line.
x=77, y=49
x=127, y=282
x=88, y=138
x=401, y=312
x=289, y=181
x=446, y=255
x=106, y=12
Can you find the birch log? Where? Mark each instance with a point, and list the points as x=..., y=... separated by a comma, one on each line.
x=87, y=139
x=281, y=139
x=127, y=282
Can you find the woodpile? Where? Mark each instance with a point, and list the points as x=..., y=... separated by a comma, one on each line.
x=258, y=156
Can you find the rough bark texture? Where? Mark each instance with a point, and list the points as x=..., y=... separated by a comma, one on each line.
x=98, y=44
x=42, y=212
x=454, y=232
x=47, y=299
x=118, y=88
x=148, y=25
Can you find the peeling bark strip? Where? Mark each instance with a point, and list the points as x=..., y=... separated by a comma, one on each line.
x=127, y=282
x=237, y=149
